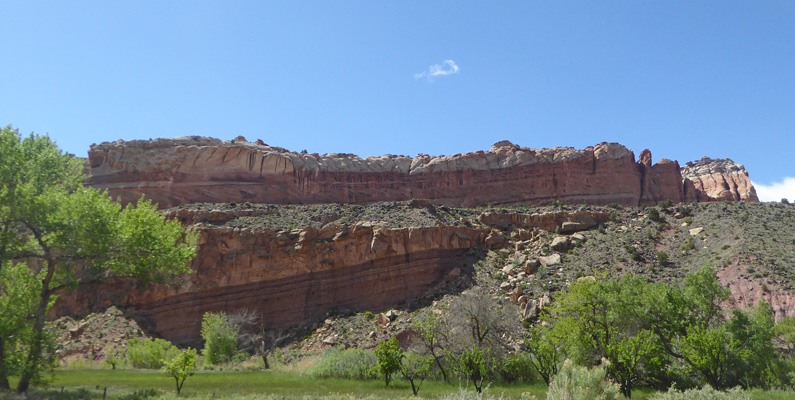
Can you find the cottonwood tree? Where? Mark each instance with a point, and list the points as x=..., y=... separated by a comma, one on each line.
x=255, y=336
x=431, y=331
x=481, y=329
x=72, y=235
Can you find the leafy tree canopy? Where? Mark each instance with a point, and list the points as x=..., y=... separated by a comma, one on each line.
x=69, y=234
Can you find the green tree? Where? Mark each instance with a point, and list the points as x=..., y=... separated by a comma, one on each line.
x=415, y=368
x=74, y=235
x=431, y=333
x=547, y=347
x=220, y=337
x=181, y=367
x=477, y=365
x=389, y=357
x=605, y=319
x=19, y=288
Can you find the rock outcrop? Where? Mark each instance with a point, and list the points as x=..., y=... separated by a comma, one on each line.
x=198, y=169
x=717, y=180
x=289, y=277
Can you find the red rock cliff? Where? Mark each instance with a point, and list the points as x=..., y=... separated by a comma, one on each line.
x=197, y=169
x=718, y=180
x=288, y=277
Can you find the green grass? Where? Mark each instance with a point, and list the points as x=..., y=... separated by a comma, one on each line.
x=90, y=383
x=209, y=384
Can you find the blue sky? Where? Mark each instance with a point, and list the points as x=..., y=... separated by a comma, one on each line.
x=684, y=79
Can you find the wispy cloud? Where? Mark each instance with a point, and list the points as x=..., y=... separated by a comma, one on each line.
x=776, y=190
x=447, y=67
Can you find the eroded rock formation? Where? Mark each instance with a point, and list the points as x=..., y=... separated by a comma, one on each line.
x=198, y=169
x=715, y=180
x=288, y=277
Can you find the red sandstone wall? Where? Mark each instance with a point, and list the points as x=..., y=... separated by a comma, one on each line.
x=188, y=170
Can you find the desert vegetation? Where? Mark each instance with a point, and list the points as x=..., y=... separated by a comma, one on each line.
x=641, y=305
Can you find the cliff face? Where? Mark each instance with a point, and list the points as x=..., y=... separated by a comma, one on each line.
x=197, y=169
x=716, y=180
x=287, y=277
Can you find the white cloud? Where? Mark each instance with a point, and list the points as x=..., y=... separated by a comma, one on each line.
x=447, y=67
x=776, y=190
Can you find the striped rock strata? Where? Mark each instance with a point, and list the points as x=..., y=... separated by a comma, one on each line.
x=199, y=169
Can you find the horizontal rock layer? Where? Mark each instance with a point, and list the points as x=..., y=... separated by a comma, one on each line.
x=197, y=169
x=290, y=277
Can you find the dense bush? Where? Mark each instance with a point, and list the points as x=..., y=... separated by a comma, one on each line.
x=655, y=334
x=143, y=353
x=518, y=367
x=220, y=337
x=346, y=364
x=574, y=382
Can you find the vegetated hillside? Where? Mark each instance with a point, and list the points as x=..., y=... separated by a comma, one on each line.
x=750, y=245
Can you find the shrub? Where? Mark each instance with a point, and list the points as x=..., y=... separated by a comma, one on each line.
x=574, y=382
x=220, y=337
x=662, y=258
x=654, y=214
x=705, y=393
x=346, y=364
x=463, y=394
x=143, y=353
x=518, y=367
x=633, y=253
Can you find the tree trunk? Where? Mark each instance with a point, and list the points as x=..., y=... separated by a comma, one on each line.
x=439, y=364
x=4, y=385
x=265, y=361
x=34, y=354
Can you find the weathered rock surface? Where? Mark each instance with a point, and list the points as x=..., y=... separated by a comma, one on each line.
x=289, y=277
x=198, y=169
x=717, y=180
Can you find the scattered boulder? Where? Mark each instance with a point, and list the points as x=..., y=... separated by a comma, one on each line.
x=696, y=231
x=382, y=320
x=391, y=314
x=569, y=227
x=560, y=243
x=530, y=313
x=531, y=266
x=550, y=260
x=495, y=240
x=535, y=307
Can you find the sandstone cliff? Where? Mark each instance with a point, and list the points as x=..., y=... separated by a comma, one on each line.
x=198, y=169
x=714, y=180
x=292, y=276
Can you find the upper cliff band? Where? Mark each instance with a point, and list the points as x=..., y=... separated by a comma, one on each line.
x=199, y=169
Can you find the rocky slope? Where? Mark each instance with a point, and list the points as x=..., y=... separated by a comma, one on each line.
x=288, y=275
x=296, y=264
x=198, y=169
